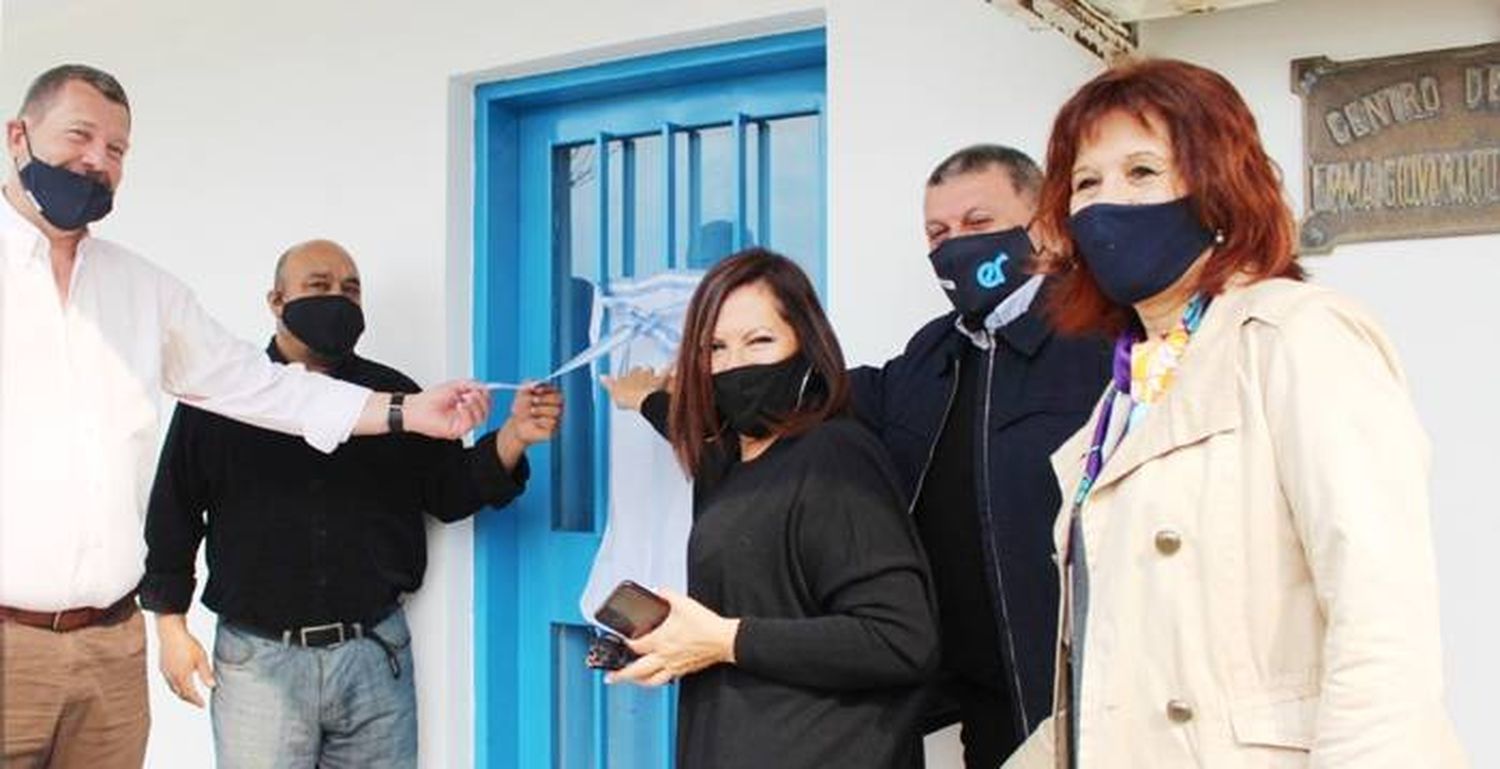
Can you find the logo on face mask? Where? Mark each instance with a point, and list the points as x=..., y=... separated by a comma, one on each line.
x=992, y=273
x=976, y=271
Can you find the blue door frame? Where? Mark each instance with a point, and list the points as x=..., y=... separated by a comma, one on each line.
x=509, y=345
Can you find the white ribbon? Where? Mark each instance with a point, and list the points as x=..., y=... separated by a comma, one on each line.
x=629, y=321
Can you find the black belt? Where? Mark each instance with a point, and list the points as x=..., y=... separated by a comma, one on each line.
x=315, y=636
x=329, y=634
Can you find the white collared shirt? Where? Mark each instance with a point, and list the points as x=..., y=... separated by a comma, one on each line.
x=81, y=386
x=1013, y=307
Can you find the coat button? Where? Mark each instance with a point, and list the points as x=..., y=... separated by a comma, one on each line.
x=1179, y=712
x=1168, y=542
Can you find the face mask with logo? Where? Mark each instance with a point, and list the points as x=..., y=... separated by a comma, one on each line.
x=752, y=399
x=69, y=201
x=329, y=325
x=979, y=271
x=1137, y=252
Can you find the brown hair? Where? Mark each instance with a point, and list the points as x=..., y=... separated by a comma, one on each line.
x=43, y=90
x=1234, y=185
x=693, y=422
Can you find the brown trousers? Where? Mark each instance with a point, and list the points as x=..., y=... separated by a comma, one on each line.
x=74, y=700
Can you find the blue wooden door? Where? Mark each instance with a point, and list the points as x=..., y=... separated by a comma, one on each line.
x=619, y=171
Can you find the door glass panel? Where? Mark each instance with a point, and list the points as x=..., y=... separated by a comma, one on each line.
x=705, y=194
x=794, y=185
x=648, y=247
x=637, y=218
x=575, y=246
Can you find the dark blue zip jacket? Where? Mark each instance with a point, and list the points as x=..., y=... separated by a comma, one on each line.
x=1042, y=387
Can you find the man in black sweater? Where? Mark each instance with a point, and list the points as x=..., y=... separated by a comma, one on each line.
x=971, y=412
x=309, y=554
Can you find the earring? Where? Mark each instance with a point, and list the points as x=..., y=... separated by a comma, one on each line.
x=802, y=389
x=1218, y=237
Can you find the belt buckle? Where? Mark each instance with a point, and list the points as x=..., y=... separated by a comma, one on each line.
x=304, y=632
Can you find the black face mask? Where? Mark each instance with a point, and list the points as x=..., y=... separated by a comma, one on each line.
x=979, y=271
x=68, y=200
x=329, y=325
x=752, y=399
x=1136, y=252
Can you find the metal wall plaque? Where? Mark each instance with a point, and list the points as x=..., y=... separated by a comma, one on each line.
x=1401, y=146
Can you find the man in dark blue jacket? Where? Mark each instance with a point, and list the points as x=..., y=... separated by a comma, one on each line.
x=971, y=412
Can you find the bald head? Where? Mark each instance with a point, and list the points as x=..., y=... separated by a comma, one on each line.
x=316, y=267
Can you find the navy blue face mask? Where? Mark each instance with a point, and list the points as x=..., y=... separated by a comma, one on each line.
x=68, y=200
x=1136, y=252
x=979, y=271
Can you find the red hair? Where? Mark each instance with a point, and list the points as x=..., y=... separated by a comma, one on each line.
x=1234, y=185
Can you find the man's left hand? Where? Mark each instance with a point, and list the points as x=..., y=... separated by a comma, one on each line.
x=535, y=414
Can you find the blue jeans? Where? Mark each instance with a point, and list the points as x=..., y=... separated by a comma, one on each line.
x=280, y=706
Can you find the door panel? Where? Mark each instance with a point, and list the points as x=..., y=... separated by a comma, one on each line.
x=620, y=184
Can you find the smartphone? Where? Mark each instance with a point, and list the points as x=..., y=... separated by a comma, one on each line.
x=632, y=611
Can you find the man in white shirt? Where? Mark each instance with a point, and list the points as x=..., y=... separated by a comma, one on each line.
x=90, y=335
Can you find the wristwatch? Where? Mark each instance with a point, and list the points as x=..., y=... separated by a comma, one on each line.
x=393, y=414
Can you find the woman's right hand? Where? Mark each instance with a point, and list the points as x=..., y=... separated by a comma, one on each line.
x=693, y=637
x=630, y=389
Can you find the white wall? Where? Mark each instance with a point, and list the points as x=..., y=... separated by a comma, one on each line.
x=1434, y=296
x=908, y=83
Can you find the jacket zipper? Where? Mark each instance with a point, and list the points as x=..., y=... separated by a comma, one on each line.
x=986, y=522
x=911, y=508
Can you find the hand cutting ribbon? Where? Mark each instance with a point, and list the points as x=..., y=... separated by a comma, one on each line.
x=629, y=321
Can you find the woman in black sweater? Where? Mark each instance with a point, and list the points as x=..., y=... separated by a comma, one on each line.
x=809, y=624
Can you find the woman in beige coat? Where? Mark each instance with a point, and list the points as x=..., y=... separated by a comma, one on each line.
x=1246, y=557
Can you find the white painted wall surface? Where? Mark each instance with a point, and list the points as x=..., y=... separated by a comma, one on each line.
x=1436, y=297
x=260, y=124
x=908, y=83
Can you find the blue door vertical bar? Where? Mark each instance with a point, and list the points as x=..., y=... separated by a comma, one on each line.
x=740, y=204
x=669, y=190
x=694, y=190
x=763, y=184
x=627, y=208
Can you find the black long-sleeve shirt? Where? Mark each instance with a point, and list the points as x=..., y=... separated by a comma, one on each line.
x=809, y=545
x=947, y=516
x=297, y=537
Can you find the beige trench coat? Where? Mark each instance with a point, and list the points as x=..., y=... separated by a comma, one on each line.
x=1261, y=576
